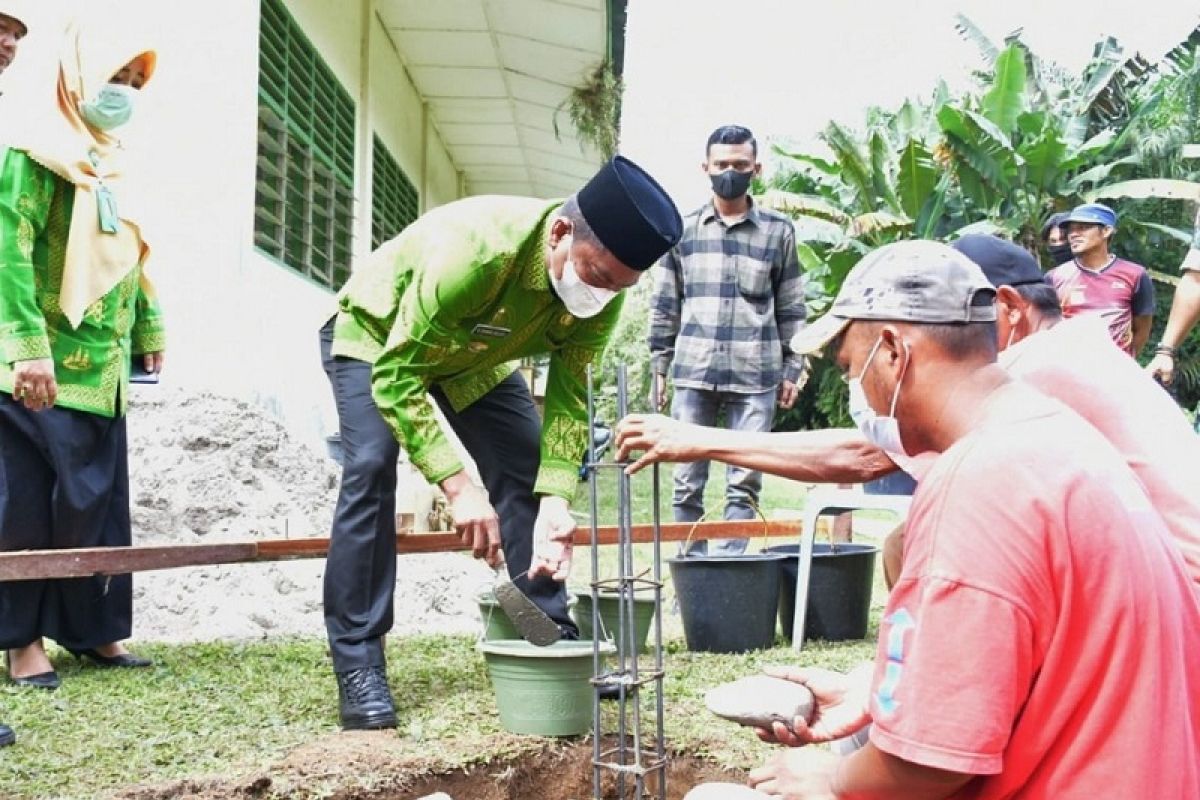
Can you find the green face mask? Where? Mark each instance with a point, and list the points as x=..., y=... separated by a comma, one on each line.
x=112, y=107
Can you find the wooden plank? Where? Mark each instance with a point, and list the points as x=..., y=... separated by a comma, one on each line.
x=78, y=563
x=42, y=564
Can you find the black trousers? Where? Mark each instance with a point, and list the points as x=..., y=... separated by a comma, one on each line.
x=502, y=433
x=64, y=483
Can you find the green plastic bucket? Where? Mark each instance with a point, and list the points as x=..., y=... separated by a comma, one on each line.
x=496, y=624
x=610, y=609
x=542, y=691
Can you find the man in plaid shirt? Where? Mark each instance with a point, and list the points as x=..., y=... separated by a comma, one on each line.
x=727, y=301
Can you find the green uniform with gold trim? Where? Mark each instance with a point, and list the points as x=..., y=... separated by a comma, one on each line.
x=453, y=301
x=91, y=363
x=64, y=469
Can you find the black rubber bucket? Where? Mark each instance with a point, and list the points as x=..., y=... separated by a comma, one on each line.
x=728, y=603
x=839, y=590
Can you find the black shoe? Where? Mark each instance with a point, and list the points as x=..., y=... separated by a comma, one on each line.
x=43, y=680
x=609, y=691
x=124, y=660
x=7, y=736
x=364, y=700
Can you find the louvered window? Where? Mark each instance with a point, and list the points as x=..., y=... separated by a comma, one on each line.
x=304, y=197
x=394, y=199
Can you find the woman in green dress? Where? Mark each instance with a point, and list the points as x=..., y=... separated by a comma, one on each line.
x=75, y=308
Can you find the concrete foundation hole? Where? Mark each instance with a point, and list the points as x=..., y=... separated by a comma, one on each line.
x=555, y=775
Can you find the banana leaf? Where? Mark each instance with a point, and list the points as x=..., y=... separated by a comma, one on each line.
x=1043, y=160
x=1099, y=173
x=909, y=122
x=1175, y=233
x=983, y=226
x=1150, y=187
x=1005, y=101
x=1163, y=277
x=877, y=222
x=810, y=262
x=1106, y=63
x=935, y=205
x=984, y=146
x=854, y=169
x=821, y=164
x=821, y=231
x=881, y=171
x=972, y=33
x=1031, y=123
x=805, y=204
x=917, y=179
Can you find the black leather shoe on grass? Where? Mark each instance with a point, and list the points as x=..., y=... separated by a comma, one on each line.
x=7, y=736
x=609, y=691
x=43, y=680
x=122, y=661
x=365, y=701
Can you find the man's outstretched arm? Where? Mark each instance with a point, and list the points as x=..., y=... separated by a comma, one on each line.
x=829, y=456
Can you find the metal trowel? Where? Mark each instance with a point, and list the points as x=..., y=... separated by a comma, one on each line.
x=530, y=621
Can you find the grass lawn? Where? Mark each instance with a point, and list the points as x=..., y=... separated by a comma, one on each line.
x=231, y=708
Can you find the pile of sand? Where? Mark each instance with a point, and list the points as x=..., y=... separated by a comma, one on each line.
x=205, y=468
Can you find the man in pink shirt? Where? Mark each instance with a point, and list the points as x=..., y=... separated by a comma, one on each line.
x=1062, y=359
x=1040, y=642
x=1097, y=282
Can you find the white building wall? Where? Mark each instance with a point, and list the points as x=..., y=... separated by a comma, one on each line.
x=239, y=323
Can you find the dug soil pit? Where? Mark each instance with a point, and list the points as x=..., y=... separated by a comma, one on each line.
x=557, y=774
x=376, y=766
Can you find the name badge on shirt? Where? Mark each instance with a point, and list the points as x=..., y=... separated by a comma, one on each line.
x=490, y=331
x=106, y=205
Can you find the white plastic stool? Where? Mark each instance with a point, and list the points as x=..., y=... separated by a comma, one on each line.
x=832, y=501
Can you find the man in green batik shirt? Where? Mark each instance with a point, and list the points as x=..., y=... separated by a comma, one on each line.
x=439, y=315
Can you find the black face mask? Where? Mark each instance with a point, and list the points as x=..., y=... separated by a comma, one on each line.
x=1060, y=253
x=731, y=184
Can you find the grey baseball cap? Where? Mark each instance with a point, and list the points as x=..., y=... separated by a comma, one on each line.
x=915, y=281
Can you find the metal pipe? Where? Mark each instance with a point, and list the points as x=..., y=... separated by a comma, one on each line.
x=597, y=723
x=660, y=748
x=623, y=572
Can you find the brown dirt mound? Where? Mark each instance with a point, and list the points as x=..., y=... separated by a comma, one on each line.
x=380, y=766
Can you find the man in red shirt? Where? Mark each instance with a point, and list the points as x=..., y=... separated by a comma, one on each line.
x=1040, y=641
x=1096, y=281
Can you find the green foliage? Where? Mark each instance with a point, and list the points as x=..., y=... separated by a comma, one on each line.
x=627, y=346
x=1028, y=140
x=1005, y=101
x=594, y=108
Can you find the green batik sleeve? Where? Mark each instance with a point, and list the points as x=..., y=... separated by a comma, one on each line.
x=25, y=192
x=450, y=286
x=564, y=426
x=148, y=335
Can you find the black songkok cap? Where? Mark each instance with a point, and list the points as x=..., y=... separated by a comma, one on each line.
x=630, y=213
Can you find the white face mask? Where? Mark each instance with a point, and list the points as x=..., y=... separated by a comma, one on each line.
x=881, y=431
x=111, y=108
x=581, y=299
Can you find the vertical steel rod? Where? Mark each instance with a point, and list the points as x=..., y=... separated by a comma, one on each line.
x=624, y=570
x=630, y=756
x=597, y=723
x=660, y=747
x=628, y=594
